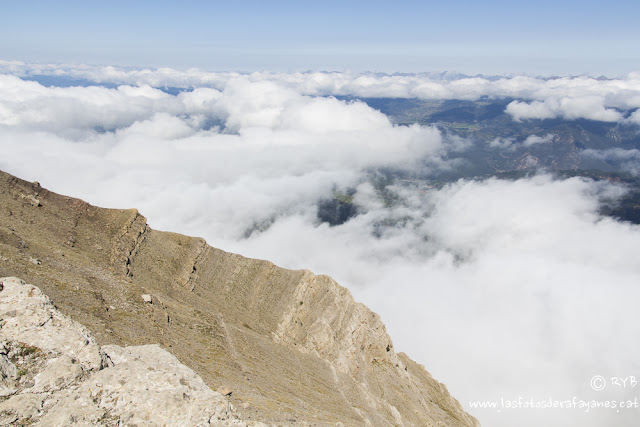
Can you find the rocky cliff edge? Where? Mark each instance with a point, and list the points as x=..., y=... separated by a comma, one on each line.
x=291, y=347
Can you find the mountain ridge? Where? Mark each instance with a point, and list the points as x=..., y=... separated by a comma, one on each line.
x=293, y=346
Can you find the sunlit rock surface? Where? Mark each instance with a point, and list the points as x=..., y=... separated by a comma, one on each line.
x=54, y=374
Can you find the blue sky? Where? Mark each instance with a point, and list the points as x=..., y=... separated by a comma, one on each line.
x=546, y=37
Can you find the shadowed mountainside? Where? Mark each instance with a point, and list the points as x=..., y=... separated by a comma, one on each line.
x=290, y=345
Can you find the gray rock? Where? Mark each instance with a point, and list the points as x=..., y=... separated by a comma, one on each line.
x=38, y=324
x=7, y=369
x=58, y=374
x=76, y=382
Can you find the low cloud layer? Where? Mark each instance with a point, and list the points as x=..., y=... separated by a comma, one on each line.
x=259, y=145
x=580, y=97
x=500, y=288
x=583, y=107
x=511, y=144
x=627, y=160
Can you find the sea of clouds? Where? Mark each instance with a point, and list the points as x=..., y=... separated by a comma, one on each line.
x=502, y=289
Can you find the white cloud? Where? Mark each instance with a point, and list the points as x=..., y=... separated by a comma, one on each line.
x=584, y=107
x=502, y=143
x=535, y=139
x=628, y=160
x=533, y=110
x=74, y=110
x=279, y=150
x=511, y=144
x=635, y=117
x=537, y=98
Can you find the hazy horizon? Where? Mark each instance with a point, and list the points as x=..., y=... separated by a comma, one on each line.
x=544, y=37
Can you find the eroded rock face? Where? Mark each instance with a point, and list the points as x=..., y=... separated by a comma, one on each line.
x=52, y=373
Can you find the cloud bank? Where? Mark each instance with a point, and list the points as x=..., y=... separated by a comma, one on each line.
x=535, y=97
x=502, y=289
x=628, y=160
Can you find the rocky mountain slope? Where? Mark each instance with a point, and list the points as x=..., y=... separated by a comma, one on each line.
x=293, y=348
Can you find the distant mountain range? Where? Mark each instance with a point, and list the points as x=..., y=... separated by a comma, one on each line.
x=497, y=145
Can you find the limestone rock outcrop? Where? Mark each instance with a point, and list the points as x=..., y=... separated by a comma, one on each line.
x=53, y=373
x=288, y=347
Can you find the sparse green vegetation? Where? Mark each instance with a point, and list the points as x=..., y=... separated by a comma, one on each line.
x=27, y=350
